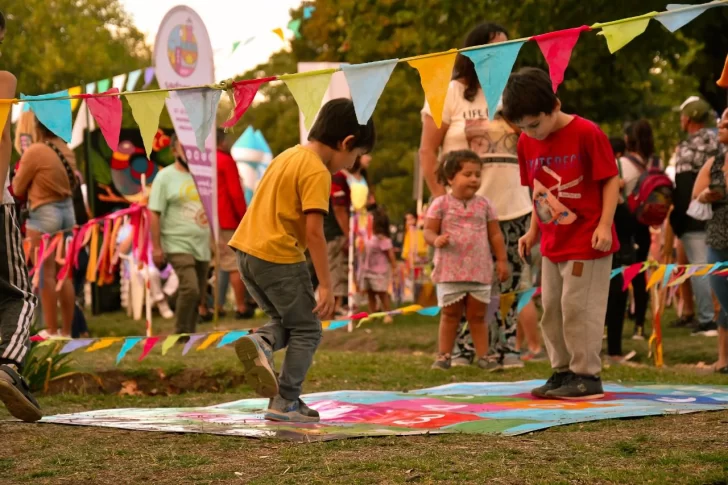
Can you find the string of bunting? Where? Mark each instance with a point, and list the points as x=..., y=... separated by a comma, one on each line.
x=493, y=64
x=666, y=275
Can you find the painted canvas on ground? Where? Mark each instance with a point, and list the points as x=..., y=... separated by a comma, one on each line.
x=506, y=408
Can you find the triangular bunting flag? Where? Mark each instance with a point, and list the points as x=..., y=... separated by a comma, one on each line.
x=366, y=83
x=90, y=88
x=193, y=339
x=279, y=33
x=231, y=337
x=76, y=344
x=131, y=82
x=148, y=76
x=129, y=344
x=107, y=112
x=703, y=270
x=435, y=75
x=83, y=122
x=428, y=312
x=674, y=21
x=146, y=109
x=295, y=27
x=236, y=44
x=668, y=273
x=4, y=115
x=410, y=309
x=629, y=274
x=336, y=324
x=524, y=298
x=104, y=85
x=169, y=343
x=308, y=90
x=118, y=82
x=715, y=267
x=55, y=115
x=689, y=271
x=621, y=34
x=723, y=81
x=74, y=101
x=556, y=48
x=201, y=107
x=242, y=96
x=506, y=302
x=615, y=272
x=493, y=65
x=149, y=344
x=493, y=308
x=656, y=277
x=104, y=343
x=308, y=11
x=211, y=339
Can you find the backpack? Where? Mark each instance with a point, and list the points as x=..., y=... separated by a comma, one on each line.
x=651, y=199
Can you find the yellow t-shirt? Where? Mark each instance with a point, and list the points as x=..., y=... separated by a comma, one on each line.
x=274, y=226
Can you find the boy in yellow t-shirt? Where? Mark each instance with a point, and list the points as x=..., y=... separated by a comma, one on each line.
x=285, y=217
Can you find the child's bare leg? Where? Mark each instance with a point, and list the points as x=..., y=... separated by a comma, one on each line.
x=386, y=301
x=475, y=313
x=372, y=297
x=449, y=320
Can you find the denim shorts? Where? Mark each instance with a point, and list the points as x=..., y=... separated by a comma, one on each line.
x=53, y=217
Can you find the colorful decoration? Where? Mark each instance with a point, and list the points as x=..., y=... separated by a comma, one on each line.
x=308, y=89
x=182, y=50
x=505, y=408
x=435, y=75
x=146, y=109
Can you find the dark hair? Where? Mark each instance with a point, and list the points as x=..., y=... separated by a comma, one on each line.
x=464, y=68
x=452, y=163
x=380, y=222
x=640, y=139
x=337, y=120
x=528, y=93
x=2, y=21
x=618, y=145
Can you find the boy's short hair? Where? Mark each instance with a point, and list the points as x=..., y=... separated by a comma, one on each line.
x=618, y=145
x=337, y=120
x=528, y=93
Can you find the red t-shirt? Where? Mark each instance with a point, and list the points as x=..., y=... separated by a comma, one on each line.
x=231, y=204
x=566, y=172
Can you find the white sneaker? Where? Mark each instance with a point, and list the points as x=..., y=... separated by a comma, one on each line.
x=164, y=310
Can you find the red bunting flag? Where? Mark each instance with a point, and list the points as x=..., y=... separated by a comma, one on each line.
x=243, y=93
x=149, y=344
x=106, y=110
x=629, y=274
x=556, y=48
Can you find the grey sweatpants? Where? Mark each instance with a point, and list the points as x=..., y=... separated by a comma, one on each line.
x=17, y=301
x=285, y=293
x=574, y=296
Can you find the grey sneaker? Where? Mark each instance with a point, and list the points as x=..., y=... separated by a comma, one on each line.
x=491, y=363
x=556, y=380
x=257, y=359
x=460, y=361
x=443, y=362
x=281, y=409
x=15, y=394
x=512, y=360
x=578, y=388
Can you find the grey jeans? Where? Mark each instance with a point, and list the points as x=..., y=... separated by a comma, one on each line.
x=17, y=301
x=285, y=293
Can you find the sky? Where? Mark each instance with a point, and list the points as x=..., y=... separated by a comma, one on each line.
x=227, y=21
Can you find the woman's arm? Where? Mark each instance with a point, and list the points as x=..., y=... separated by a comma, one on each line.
x=430, y=143
x=703, y=180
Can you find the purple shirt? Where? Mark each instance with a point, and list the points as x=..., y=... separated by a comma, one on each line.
x=376, y=257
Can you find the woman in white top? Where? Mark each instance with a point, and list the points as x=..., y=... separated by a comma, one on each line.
x=466, y=124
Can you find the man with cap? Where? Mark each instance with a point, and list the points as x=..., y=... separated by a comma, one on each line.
x=700, y=145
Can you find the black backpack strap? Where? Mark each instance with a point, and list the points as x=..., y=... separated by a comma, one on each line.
x=641, y=166
x=69, y=171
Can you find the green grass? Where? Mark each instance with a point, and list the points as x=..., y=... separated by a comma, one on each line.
x=691, y=449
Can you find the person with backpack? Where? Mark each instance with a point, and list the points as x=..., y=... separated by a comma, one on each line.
x=691, y=154
x=46, y=175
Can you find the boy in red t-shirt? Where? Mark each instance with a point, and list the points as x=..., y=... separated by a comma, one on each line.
x=568, y=163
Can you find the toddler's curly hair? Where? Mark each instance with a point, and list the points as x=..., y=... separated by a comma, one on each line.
x=452, y=163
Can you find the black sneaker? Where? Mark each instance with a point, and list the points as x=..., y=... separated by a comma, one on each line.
x=639, y=333
x=578, y=388
x=554, y=382
x=246, y=315
x=685, y=321
x=15, y=394
x=705, y=330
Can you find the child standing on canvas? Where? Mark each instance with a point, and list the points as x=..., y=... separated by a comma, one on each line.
x=456, y=225
x=378, y=263
x=568, y=163
x=285, y=217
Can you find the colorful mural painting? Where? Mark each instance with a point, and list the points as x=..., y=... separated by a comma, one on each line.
x=477, y=407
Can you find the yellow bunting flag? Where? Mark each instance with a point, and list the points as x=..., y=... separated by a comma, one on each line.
x=506, y=302
x=211, y=339
x=308, y=90
x=435, y=75
x=325, y=325
x=279, y=33
x=621, y=34
x=656, y=277
x=169, y=343
x=4, y=115
x=410, y=309
x=93, y=254
x=74, y=101
x=703, y=271
x=146, y=108
x=104, y=343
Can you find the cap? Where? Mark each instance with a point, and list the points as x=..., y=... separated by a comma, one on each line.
x=696, y=109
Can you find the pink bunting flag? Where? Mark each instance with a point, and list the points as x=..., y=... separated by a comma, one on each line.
x=149, y=344
x=106, y=110
x=67, y=268
x=629, y=274
x=243, y=94
x=556, y=48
